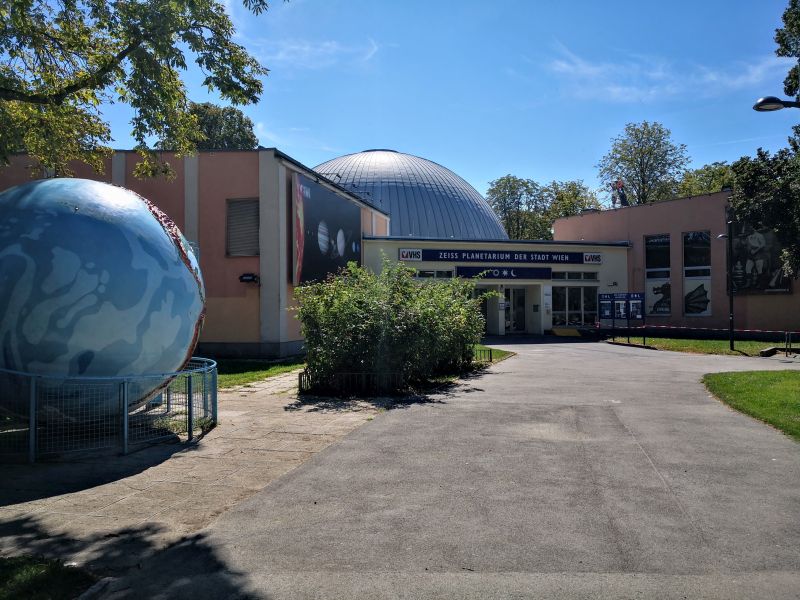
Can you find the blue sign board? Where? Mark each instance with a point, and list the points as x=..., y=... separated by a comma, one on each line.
x=505, y=272
x=504, y=256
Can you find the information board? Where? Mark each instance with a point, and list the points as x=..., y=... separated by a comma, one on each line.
x=621, y=306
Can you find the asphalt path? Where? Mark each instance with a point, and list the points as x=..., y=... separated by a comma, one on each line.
x=572, y=470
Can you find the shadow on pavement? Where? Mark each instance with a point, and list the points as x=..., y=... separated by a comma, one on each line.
x=27, y=482
x=430, y=394
x=131, y=551
x=312, y=403
x=516, y=340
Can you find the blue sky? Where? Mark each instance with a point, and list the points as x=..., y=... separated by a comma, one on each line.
x=533, y=88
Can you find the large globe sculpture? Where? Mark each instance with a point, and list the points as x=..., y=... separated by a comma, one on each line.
x=95, y=281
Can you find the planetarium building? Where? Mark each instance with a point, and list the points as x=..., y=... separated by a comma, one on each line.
x=263, y=223
x=442, y=227
x=423, y=199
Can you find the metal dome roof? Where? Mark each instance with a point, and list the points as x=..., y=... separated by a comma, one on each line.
x=424, y=199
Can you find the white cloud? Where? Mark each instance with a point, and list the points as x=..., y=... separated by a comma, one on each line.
x=641, y=78
x=309, y=54
x=292, y=138
x=267, y=135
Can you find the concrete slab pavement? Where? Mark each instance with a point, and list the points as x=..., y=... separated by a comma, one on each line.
x=571, y=470
x=110, y=512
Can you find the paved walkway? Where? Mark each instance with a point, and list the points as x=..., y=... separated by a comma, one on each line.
x=114, y=511
x=573, y=470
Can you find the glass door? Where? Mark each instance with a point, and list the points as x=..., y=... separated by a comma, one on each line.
x=515, y=310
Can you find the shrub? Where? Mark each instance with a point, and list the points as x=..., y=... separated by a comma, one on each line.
x=360, y=322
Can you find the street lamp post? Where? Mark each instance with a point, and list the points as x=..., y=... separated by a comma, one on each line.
x=771, y=103
x=729, y=259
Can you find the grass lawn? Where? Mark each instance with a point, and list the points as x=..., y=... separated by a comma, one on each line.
x=701, y=346
x=769, y=396
x=497, y=353
x=234, y=372
x=37, y=578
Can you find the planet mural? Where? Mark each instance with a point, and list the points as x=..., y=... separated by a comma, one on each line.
x=95, y=281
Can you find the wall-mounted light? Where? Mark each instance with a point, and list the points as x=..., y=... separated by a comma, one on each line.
x=249, y=278
x=613, y=284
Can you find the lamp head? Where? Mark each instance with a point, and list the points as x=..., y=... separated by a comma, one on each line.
x=768, y=104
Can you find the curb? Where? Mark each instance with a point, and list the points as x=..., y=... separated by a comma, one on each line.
x=631, y=345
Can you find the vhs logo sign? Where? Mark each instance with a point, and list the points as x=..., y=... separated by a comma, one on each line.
x=592, y=258
x=410, y=254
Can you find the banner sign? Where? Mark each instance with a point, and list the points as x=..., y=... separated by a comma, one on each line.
x=757, y=267
x=505, y=272
x=502, y=256
x=327, y=231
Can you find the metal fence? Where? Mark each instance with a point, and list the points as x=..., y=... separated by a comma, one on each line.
x=45, y=416
x=352, y=383
x=482, y=355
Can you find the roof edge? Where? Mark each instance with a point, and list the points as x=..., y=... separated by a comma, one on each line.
x=412, y=240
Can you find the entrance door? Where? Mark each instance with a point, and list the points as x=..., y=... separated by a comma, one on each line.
x=515, y=310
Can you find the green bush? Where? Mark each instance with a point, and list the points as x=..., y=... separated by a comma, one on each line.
x=360, y=322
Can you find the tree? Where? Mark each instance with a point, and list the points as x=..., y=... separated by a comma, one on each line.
x=528, y=210
x=705, y=180
x=647, y=162
x=220, y=128
x=766, y=193
x=517, y=202
x=62, y=58
x=567, y=199
x=766, y=188
x=788, y=40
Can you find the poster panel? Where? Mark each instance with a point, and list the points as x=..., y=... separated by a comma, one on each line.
x=757, y=261
x=635, y=309
x=697, y=296
x=657, y=296
x=620, y=309
x=327, y=231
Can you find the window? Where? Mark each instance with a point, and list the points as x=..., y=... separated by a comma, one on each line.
x=574, y=275
x=697, y=254
x=658, y=286
x=241, y=227
x=574, y=306
x=559, y=306
x=697, y=273
x=430, y=274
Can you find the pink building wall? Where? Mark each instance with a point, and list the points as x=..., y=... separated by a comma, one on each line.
x=699, y=213
x=238, y=318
